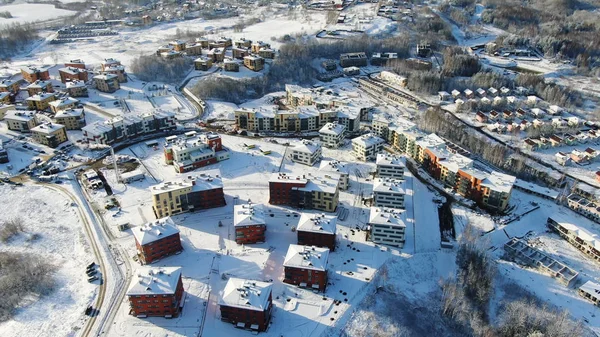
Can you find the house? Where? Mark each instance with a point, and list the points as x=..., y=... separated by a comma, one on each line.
x=156, y=239
x=591, y=154
x=388, y=193
x=39, y=86
x=353, y=59
x=590, y=290
x=538, y=113
x=242, y=43
x=337, y=168
x=216, y=54
x=109, y=63
x=469, y=93
x=203, y=63
x=485, y=101
x=504, y=91
x=555, y=110
x=177, y=45
x=520, y=113
x=498, y=100
x=72, y=119
x=11, y=86
x=170, y=54
x=129, y=126
x=582, y=239
x=444, y=96
x=366, y=147
x=50, y=134
x=231, y=65
x=266, y=53
x=156, y=292
x=332, y=135
x=21, y=121
x=390, y=166
x=512, y=100
x=533, y=100
x=387, y=226
x=40, y=101
x=538, y=123
x=493, y=92
x=556, y=140
x=257, y=46
x=494, y=115
x=203, y=42
x=569, y=139
x=582, y=137
x=579, y=157
x=254, y=63
x=193, y=48
x=249, y=221
x=317, y=229
x=247, y=304
x=307, y=191
x=194, y=192
x=32, y=74
x=562, y=158
x=107, y=83
x=77, y=89
x=481, y=92
x=573, y=121
x=192, y=151
x=530, y=144
x=239, y=53
x=73, y=74
x=63, y=103
x=305, y=152
x=455, y=94
x=507, y=115
x=306, y=267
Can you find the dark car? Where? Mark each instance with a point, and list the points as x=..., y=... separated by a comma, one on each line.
x=92, y=279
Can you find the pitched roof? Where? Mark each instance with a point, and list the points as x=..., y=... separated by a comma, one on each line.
x=155, y=230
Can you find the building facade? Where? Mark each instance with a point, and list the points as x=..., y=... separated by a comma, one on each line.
x=72, y=119
x=247, y=304
x=387, y=226
x=157, y=239
x=390, y=166
x=156, y=292
x=187, y=153
x=366, y=147
x=306, y=267
x=127, y=127
x=308, y=191
x=580, y=238
x=317, y=229
x=305, y=152
x=49, y=134
x=249, y=221
x=107, y=83
x=388, y=193
x=332, y=135
x=21, y=121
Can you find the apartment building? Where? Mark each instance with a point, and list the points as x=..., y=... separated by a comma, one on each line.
x=306, y=267
x=32, y=74
x=70, y=74
x=63, y=103
x=231, y=65
x=388, y=193
x=249, y=221
x=254, y=62
x=591, y=291
x=40, y=101
x=77, y=89
x=305, y=152
x=5, y=97
x=129, y=127
x=366, y=147
x=332, y=135
x=4, y=108
x=584, y=206
x=247, y=304
x=307, y=191
x=266, y=53
x=258, y=45
x=12, y=86
x=189, y=152
x=390, y=166
x=517, y=250
x=386, y=92
x=21, y=121
x=114, y=67
x=387, y=226
x=50, y=134
x=216, y=55
x=72, y=119
x=156, y=239
x=203, y=63
x=242, y=43
x=156, y=292
x=107, y=83
x=108, y=63
x=188, y=194
x=353, y=60
x=39, y=87
x=75, y=64
x=337, y=168
x=317, y=229
x=584, y=240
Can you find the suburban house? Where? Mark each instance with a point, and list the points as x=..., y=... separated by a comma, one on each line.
x=247, y=304
x=129, y=126
x=305, y=152
x=306, y=267
x=249, y=221
x=387, y=226
x=72, y=119
x=390, y=166
x=191, y=151
x=40, y=101
x=366, y=147
x=72, y=74
x=317, y=229
x=156, y=239
x=203, y=63
x=156, y=292
x=50, y=134
x=306, y=191
x=32, y=74
x=77, y=89
x=332, y=135
x=21, y=121
x=194, y=192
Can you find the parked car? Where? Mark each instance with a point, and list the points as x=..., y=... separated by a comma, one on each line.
x=92, y=279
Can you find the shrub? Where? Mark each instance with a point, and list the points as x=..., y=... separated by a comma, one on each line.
x=10, y=228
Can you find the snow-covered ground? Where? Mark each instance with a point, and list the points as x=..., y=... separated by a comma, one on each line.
x=61, y=242
x=26, y=13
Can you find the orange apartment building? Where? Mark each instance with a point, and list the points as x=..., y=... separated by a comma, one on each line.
x=70, y=74
x=32, y=74
x=38, y=87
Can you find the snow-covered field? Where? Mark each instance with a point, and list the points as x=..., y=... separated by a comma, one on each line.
x=61, y=242
x=26, y=13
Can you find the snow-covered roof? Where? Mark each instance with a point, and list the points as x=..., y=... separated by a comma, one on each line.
x=306, y=146
x=155, y=230
x=69, y=113
x=33, y=70
x=207, y=180
x=589, y=237
x=105, y=77
x=500, y=182
x=154, y=281
x=387, y=216
x=72, y=70
x=75, y=84
x=327, y=183
x=48, y=128
x=317, y=223
x=63, y=101
x=246, y=294
x=7, y=82
x=592, y=288
x=40, y=96
x=386, y=185
x=384, y=159
x=455, y=162
x=39, y=84
x=430, y=141
x=306, y=257
x=248, y=214
x=333, y=129
x=368, y=140
x=285, y=178
x=334, y=166
x=525, y=185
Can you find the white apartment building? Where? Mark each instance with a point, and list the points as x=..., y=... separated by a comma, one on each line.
x=388, y=193
x=332, y=135
x=305, y=152
x=387, y=226
x=366, y=147
x=390, y=166
x=338, y=168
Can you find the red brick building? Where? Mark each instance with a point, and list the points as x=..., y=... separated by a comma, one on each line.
x=75, y=64
x=306, y=267
x=156, y=292
x=247, y=304
x=157, y=239
x=249, y=223
x=317, y=229
x=32, y=74
x=281, y=188
x=70, y=74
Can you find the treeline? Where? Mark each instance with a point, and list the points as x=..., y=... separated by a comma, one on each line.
x=155, y=68
x=14, y=38
x=293, y=65
x=458, y=62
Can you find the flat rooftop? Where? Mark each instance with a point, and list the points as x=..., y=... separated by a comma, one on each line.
x=317, y=223
x=384, y=159
x=368, y=140
x=306, y=257
x=333, y=129
x=387, y=216
x=385, y=185
x=197, y=182
x=248, y=214
x=155, y=230
x=154, y=281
